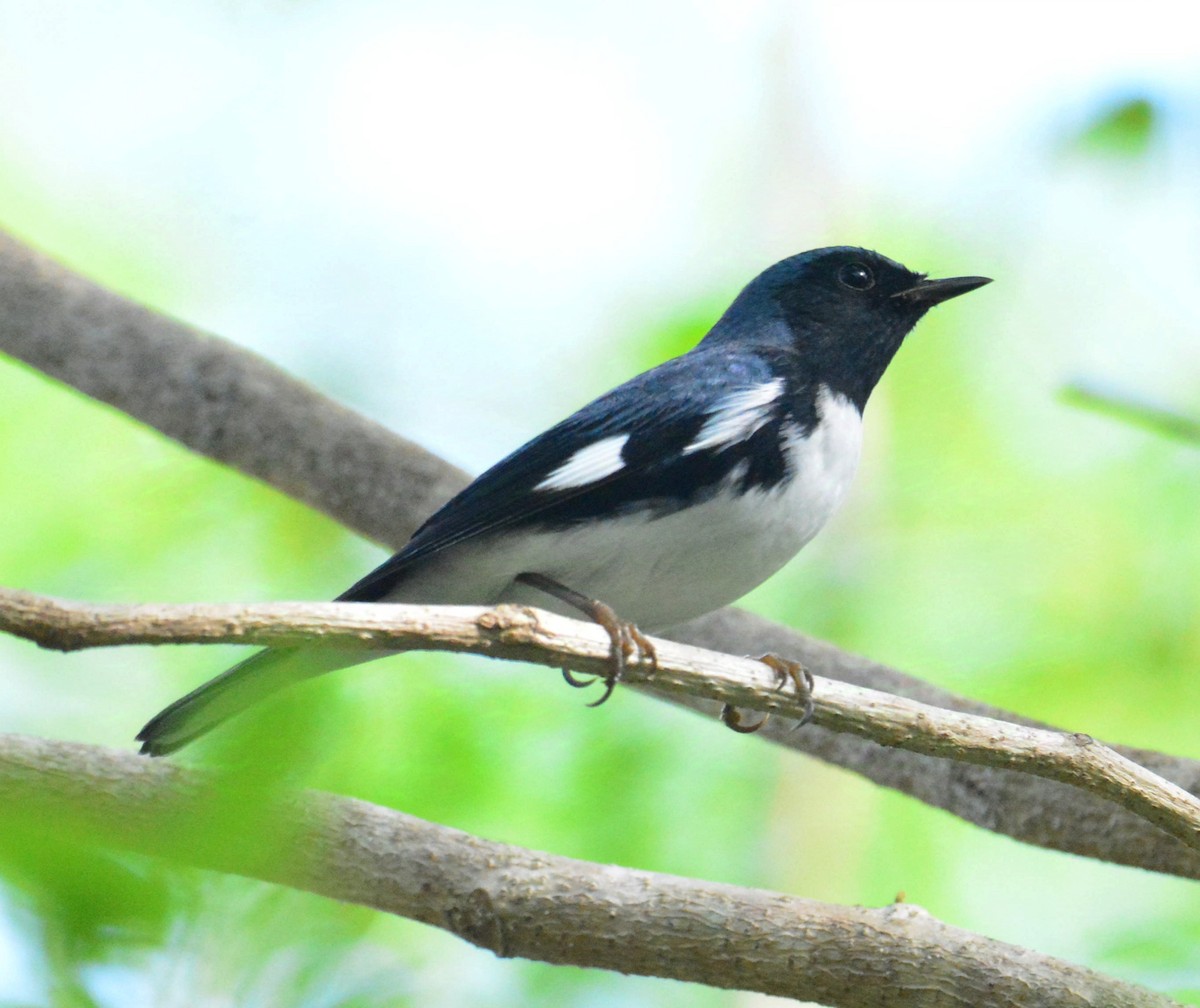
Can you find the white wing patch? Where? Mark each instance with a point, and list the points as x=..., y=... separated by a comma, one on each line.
x=737, y=416
x=587, y=465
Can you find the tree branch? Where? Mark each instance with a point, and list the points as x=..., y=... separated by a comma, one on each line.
x=517, y=902
x=519, y=633
x=1033, y=810
x=217, y=399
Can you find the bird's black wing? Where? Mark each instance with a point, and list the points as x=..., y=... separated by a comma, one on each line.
x=661, y=410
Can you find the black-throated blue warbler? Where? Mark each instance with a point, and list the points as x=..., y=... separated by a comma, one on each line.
x=666, y=498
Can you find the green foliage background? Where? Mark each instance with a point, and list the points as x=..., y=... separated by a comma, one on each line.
x=1067, y=592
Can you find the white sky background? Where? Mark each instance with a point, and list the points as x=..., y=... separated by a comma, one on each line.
x=457, y=215
x=439, y=211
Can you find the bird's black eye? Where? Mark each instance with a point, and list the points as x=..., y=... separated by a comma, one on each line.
x=856, y=276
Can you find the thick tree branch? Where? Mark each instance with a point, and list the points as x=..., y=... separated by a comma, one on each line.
x=1036, y=811
x=217, y=399
x=519, y=633
x=517, y=902
x=382, y=486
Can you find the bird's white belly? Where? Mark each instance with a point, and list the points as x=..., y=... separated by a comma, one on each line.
x=658, y=572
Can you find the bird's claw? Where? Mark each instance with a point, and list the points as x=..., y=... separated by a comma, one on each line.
x=626, y=641
x=786, y=671
x=731, y=717
x=577, y=683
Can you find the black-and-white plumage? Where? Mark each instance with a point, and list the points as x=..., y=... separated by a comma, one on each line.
x=666, y=498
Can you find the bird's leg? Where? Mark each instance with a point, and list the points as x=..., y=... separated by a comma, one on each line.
x=787, y=671
x=626, y=638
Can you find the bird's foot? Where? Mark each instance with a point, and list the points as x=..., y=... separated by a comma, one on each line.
x=627, y=643
x=800, y=677
x=786, y=671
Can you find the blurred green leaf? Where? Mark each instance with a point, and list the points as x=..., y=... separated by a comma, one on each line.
x=93, y=899
x=1162, y=956
x=1122, y=131
x=92, y=905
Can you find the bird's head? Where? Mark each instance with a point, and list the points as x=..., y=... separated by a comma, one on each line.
x=845, y=311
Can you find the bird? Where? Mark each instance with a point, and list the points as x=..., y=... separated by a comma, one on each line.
x=662, y=500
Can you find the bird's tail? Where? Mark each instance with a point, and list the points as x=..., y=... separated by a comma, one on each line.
x=233, y=691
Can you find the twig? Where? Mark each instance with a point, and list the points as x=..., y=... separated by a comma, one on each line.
x=520, y=633
x=1132, y=410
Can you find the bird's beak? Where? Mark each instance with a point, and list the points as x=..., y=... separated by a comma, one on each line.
x=931, y=292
